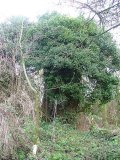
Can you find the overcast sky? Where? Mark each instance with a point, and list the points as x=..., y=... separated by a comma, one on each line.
x=30, y=8
x=33, y=8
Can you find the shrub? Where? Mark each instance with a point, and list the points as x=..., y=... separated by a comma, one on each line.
x=78, y=63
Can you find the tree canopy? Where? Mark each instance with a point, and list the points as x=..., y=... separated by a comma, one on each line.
x=78, y=60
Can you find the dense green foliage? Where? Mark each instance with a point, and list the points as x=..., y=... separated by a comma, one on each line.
x=78, y=61
x=79, y=65
x=9, y=36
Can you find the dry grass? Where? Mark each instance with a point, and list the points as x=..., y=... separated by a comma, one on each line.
x=15, y=106
x=13, y=114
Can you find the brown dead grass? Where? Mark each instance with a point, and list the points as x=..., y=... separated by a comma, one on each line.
x=15, y=107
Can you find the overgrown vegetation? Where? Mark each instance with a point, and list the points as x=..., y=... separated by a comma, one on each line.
x=78, y=62
x=72, y=144
x=79, y=66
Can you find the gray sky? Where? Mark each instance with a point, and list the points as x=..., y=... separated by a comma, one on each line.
x=30, y=8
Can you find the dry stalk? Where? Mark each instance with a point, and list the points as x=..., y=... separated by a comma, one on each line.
x=36, y=97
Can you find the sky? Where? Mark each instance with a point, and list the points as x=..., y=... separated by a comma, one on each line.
x=30, y=8
x=34, y=8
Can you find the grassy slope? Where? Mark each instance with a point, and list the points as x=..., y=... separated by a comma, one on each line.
x=63, y=142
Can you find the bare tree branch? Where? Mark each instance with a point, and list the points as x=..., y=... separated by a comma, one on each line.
x=106, y=9
x=108, y=12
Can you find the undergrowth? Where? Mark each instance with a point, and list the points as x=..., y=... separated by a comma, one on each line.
x=62, y=142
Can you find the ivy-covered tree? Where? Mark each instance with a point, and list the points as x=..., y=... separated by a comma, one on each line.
x=78, y=60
